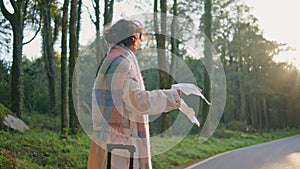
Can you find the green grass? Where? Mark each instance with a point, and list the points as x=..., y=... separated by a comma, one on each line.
x=191, y=150
x=42, y=147
x=45, y=149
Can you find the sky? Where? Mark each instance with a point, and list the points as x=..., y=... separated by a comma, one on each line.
x=87, y=33
x=278, y=19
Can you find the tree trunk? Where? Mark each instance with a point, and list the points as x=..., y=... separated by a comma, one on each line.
x=99, y=47
x=174, y=42
x=79, y=20
x=207, y=56
x=64, y=70
x=289, y=111
x=265, y=109
x=163, y=64
x=254, y=112
x=16, y=72
x=260, y=117
x=48, y=50
x=73, y=81
x=242, y=90
x=108, y=11
x=17, y=21
x=161, y=58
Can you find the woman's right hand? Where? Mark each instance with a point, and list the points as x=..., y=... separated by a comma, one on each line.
x=179, y=92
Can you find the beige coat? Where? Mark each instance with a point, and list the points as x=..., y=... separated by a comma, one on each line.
x=138, y=104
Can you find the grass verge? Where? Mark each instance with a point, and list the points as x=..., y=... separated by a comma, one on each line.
x=190, y=150
x=45, y=149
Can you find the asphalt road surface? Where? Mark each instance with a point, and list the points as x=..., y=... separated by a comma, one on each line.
x=278, y=154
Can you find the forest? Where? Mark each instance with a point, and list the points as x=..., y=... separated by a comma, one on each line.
x=261, y=94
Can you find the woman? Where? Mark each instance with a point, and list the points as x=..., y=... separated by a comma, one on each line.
x=121, y=104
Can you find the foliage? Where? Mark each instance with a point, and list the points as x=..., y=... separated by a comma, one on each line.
x=4, y=83
x=24, y=16
x=35, y=86
x=40, y=122
x=5, y=36
x=261, y=95
x=49, y=35
x=236, y=126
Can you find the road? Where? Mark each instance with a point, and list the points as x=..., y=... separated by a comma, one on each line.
x=278, y=154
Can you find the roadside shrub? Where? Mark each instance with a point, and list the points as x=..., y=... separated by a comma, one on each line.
x=236, y=126
x=41, y=121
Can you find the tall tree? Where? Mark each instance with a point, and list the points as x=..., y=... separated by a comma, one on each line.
x=174, y=40
x=101, y=46
x=207, y=20
x=99, y=42
x=48, y=53
x=17, y=19
x=160, y=35
x=108, y=11
x=17, y=22
x=79, y=11
x=108, y=16
x=96, y=6
x=73, y=82
x=64, y=69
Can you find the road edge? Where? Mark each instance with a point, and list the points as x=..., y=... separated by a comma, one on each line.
x=235, y=150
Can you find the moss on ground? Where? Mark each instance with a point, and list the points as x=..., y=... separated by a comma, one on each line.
x=3, y=112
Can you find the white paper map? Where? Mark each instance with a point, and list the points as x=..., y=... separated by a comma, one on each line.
x=189, y=88
x=189, y=112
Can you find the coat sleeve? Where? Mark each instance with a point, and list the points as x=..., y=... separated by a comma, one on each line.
x=145, y=102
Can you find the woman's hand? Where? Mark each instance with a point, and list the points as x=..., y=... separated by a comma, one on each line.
x=179, y=92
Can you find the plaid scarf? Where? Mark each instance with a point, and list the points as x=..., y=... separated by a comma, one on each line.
x=108, y=107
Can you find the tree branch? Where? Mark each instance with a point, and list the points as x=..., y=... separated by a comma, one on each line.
x=5, y=12
x=89, y=12
x=36, y=33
